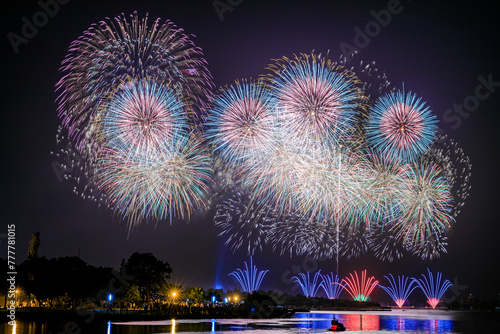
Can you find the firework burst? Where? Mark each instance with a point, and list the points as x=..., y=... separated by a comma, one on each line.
x=159, y=184
x=114, y=49
x=355, y=242
x=141, y=116
x=294, y=236
x=241, y=122
x=243, y=222
x=431, y=247
x=130, y=102
x=401, y=126
x=456, y=168
x=294, y=143
x=386, y=247
x=425, y=203
x=316, y=99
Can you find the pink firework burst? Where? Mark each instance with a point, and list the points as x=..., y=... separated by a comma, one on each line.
x=241, y=125
x=316, y=100
x=400, y=126
x=403, y=125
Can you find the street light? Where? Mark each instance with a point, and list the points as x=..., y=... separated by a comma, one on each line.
x=110, y=298
x=173, y=296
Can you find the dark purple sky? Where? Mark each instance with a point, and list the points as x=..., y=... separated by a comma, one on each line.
x=437, y=50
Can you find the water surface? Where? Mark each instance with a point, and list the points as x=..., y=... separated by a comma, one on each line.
x=396, y=321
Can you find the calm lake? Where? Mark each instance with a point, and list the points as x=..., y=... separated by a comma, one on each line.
x=396, y=321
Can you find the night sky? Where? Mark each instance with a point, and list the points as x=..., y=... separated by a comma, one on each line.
x=438, y=50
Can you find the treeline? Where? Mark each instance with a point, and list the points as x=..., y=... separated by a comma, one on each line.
x=70, y=282
x=141, y=283
x=58, y=282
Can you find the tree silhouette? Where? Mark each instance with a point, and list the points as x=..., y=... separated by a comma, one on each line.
x=130, y=294
x=147, y=270
x=195, y=294
x=69, y=276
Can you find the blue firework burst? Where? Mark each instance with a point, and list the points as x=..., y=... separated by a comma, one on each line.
x=401, y=126
x=240, y=125
x=316, y=100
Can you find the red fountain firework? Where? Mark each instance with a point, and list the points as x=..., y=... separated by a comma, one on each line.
x=360, y=289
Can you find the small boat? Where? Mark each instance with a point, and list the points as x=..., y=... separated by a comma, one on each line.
x=336, y=326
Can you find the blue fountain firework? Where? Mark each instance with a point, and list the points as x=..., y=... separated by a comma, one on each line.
x=309, y=288
x=433, y=290
x=250, y=278
x=400, y=291
x=332, y=285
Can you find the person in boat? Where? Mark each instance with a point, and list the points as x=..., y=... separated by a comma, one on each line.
x=336, y=325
